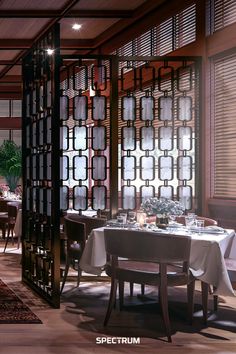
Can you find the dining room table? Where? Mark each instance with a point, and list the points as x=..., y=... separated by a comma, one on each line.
x=209, y=247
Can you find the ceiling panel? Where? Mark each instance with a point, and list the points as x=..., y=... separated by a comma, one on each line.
x=16, y=70
x=32, y=4
x=91, y=28
x=21, y=28
x=108, y=4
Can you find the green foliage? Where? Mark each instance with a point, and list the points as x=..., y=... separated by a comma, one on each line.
x=10, y=163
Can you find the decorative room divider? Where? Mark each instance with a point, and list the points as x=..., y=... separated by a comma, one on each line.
x=101, y=132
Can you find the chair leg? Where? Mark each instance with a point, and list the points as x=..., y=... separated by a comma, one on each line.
x=121, y=294
x=205, y=289
x=111, y=300
x=65, y=274
x=7, y=239
x=142, y=289
x=215, y=299
x=164, y=308
x=131, y=289
x=79, y=276
x=190, y=295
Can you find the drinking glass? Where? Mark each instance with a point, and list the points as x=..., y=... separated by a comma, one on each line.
x=189, y=221
x=120, y=219
x=132, y=216
x=124, y=216
x=200, y=224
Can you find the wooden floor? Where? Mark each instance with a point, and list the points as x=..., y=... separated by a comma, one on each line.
x=75, y=326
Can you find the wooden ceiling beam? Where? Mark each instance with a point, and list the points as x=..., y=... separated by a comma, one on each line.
x=22, y=44
x=72, y=13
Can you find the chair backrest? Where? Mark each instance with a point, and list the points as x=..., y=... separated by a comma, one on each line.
x=90, y=222
x=147, y=246
x=208, y=221
x=12, y=209
x=75, y=231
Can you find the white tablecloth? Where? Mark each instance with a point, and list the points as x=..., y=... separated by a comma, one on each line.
x=206, y=257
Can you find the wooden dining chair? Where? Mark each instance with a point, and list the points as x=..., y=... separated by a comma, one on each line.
x=147, y=255
x=76, y=238
x=90, y=222
x=12, y=210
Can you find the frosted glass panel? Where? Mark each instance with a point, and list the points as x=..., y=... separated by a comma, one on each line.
x=184, y=108
x=28, y=199
x=166, y=168
x=28, y=167
x=80, y=138
x=128, y=105
x=184, y=138
x=41, y=199
x=80, y=197
x=99, y=197
x=64, y=198
x=49, y=202
x=99, y=107
x=166, y=192
x=147, y=108
x=34, y=127
x=128, y=141
x=99, y=168
x=185, y=196
x=64, y=142
x=165, y=138
x=34, y=102
x=129, y=195
x=64, y=168
x=147, y=192
x=129, y=165
x=80, y=165
x=99, y=136
x=184, y=168
x=41, y=132
x=49, y=96
x=49, y=129
x=147, y=167
x=64, y=107
x=34, y=160
x=49, y=166
x=27, y=136
x=41, y=97
x=41, y=164
x=80, y=107
x=165, y=108
x=147, y=138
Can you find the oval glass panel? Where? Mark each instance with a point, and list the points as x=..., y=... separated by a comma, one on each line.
x=165, y=108
x=147, y=192
x=80, y=138
x=64, y=107
x=98, y=138
x=185, y=196
x=99, y=168
x=147, y=168
x=184, y=171
x=49, y=130
x=128, y=167
x=166, y=192
x=98, y=107
x=166, y=168
x=147, y=108
x=147, y=138
x=128, y=138
x=128, y=111
x=128, y=197
x=184, y=138
x=80, y=167
x=184, y=108
x=64, y=168
x=64, y=198
x=80, y=194
x=64, y=139
x=80, y=107
x=99, y=197
x=49, y=165
x=165, y=140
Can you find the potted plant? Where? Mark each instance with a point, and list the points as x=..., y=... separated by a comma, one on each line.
x=10, y=163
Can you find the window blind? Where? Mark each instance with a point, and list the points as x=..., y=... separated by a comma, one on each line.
x=224, y=82
x=221, y=13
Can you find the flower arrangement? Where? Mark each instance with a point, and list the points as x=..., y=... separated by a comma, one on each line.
x=3, y=189
x=162, y=207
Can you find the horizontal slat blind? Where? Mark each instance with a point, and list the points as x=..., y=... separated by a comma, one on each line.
x=225, y=127
x=221, y=13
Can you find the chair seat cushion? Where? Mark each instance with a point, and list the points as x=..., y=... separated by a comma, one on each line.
x=147, y=273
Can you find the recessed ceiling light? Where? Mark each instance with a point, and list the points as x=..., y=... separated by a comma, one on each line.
x=76, y=26
x=50, y=51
